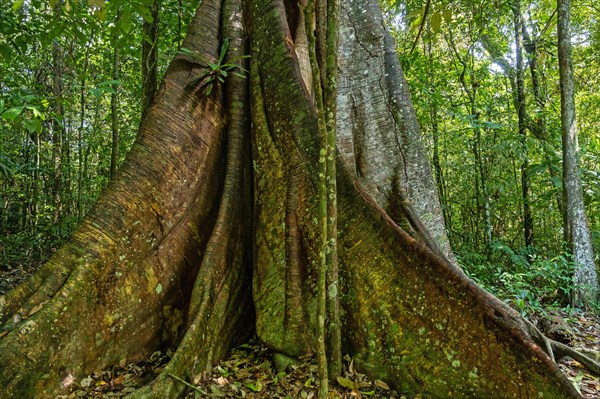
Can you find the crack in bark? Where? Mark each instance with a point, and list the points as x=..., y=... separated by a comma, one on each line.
x=389, y=106
x=356, y=33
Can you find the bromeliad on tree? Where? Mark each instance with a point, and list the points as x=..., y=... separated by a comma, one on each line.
x=214, y=73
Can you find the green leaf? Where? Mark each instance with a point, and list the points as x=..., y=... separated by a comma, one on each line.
x=126, y=24
x=96, y=92
x=216, y=392
x=556, y=181
x=224, y=48
x=255, y=387
x=198, y=78
x=417, y=13
x=7, y=173
x=32, y=125
x=346, y=382
x=436, y=21
x=146, y=14
x=416, y=23
x=36, y=111
x=17, y=4
x=12, y=113
x=491, y=125
x=185, y=51
x=447, y=16
x=382, y=385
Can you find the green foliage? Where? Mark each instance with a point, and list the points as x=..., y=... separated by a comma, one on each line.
x=55, y=144
x=528, y=281
x=460, y=75
x=214, y=73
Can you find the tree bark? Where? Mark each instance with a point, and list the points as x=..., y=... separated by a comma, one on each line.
x=150, y=57
x=577, y=232
x=167, y=254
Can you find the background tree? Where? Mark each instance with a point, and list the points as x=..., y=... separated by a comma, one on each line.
x=150, y=56
x=480, y=36
x=577, y=232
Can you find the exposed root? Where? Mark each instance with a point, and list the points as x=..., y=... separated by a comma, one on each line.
x=557, y=350
x=561, y=350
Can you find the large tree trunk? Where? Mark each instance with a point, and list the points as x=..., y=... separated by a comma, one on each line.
x=166, y=255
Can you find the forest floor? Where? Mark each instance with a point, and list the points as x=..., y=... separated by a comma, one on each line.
x=248, y=372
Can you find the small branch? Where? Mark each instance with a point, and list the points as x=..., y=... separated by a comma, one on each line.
x=545, y=28
x=184, y=382
x=421, y=26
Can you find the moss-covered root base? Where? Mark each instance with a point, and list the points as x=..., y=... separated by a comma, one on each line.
x=411, y=318
x=126, y=289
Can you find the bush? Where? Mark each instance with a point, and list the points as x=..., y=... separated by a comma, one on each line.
x=527, y=281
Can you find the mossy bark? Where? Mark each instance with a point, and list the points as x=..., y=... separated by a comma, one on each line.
x=221, y=187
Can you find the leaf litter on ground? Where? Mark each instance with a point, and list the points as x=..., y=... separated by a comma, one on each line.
x=248, y=372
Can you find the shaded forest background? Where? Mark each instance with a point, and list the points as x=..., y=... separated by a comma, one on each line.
x=72, y=93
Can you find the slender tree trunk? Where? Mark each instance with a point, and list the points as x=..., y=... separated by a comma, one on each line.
x=80, y=150
x=333, y=328
x=150, y=57
x=482, y=181
x=114, y=101
x=36, y=181
x=481, y=194
x=114, y=110
x=57, y=124
x=322, y=207
x=521, y=107
x=436, y=163
x=576, y=227
x=536, y=125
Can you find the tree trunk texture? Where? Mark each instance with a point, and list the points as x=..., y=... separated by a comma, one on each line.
x=150, y=57
x=577, y=232
x=207, y=234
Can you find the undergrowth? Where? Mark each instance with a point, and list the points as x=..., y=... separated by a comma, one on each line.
x=530, y=282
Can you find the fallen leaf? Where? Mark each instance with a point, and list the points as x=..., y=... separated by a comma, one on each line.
x=346, y=382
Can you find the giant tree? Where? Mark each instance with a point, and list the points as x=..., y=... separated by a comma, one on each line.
x=208, y=231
